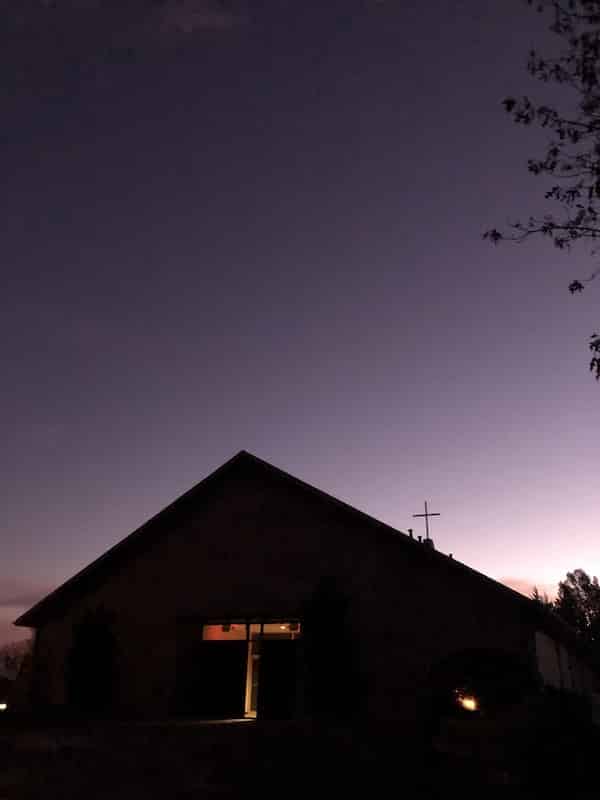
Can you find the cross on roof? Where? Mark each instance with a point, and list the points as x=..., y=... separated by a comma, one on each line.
x=427, y=514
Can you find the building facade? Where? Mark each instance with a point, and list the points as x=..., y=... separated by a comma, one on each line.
x=255, y=594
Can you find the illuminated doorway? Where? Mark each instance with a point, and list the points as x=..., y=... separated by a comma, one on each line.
x=268, y=685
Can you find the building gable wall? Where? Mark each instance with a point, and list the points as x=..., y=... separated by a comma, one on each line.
x=257, y=545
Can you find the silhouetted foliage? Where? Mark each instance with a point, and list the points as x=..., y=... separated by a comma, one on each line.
x=578, y=603
x=572, y=156
x=12, y=656
x=540, y=598
x=92, y=664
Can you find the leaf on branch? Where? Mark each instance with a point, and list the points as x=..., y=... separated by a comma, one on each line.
x=494, y=236
x=595, y=348
x=570, y=159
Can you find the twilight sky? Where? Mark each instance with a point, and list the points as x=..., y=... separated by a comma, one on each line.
x=258, y=225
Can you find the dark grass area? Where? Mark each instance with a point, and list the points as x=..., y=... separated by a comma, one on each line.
x=196, y=760
x=191, y=760
x=122, y=761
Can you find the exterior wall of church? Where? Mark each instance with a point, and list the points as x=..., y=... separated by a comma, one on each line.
x=560, y=668
x=258, y=547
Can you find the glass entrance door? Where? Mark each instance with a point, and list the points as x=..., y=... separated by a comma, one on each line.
x=270, y=686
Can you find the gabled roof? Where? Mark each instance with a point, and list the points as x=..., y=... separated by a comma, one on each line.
x=159, y=524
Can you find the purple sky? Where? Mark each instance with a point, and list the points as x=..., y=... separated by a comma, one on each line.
x=262, y=230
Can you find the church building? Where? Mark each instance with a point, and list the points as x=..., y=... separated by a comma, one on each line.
x=255, y=594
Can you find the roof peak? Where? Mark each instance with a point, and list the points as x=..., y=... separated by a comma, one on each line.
x=154, y=524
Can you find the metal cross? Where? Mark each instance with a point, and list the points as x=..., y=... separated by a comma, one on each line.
x=427, y=514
